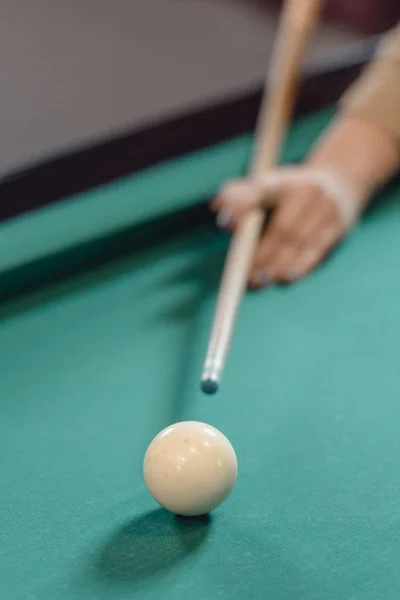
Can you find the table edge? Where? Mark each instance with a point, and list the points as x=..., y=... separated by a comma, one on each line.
x=61, y=176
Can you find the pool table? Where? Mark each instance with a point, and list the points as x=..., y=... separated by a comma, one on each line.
x=109, y=270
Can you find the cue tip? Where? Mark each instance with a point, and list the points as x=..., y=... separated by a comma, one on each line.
x=210, y=377
x=209, y=386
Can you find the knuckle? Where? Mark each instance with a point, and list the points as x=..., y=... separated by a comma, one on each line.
x=231, y=188
x=239, y=191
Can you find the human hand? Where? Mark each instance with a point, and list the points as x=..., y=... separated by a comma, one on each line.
x=313, y=209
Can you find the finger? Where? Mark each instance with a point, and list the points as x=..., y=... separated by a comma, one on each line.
x=279, y=240
x=316, y=251
x=230, y=190
x=309, y=232
x=232, y=202
x=277, y=264
x=239, y=193
x=236, y=198
x=260, y=272
x=272, y=254
x=301, y=217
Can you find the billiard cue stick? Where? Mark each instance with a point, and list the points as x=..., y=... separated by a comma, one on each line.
x=297, y=21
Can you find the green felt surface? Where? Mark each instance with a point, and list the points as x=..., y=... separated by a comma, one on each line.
x=136, y=199
x=92, y=368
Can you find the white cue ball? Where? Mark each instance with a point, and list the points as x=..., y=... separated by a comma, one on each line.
x=190, y=468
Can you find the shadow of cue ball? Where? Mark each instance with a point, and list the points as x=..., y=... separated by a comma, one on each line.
x=149, y=544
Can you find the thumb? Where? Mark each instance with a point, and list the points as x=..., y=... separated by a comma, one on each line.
x=238, y=196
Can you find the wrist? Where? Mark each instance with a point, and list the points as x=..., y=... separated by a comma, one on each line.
x=318, y=181
x=358, y=152
x=362, y=186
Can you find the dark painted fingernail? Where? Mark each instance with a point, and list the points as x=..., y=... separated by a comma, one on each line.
x=224, y=219
x=291, y=276
x=261, y=278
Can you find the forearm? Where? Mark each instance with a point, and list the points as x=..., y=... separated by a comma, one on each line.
x=359, y=151
x=363, y=144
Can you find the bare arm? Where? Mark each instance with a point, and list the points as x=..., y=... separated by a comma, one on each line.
x=363, y=144
x=360, y=151
x=318, y=202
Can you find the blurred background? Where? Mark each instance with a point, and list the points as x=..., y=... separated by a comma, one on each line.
x=72, y=73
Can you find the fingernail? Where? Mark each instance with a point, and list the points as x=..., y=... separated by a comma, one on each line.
x=224, y=219
x=291, y=276
x=261, y=278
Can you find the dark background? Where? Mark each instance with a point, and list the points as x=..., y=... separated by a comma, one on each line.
x=74, y=73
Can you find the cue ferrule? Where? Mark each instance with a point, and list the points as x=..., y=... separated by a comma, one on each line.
x=212, y=372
